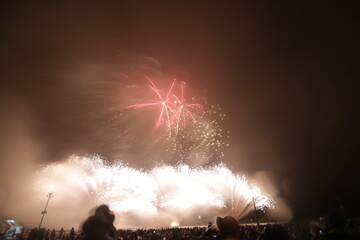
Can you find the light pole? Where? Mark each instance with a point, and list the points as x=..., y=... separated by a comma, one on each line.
x=44, y=212
x=257, y=218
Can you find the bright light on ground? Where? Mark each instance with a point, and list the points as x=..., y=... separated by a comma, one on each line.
x=174, y=224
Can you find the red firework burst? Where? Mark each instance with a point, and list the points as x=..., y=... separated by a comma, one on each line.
x=174, y=110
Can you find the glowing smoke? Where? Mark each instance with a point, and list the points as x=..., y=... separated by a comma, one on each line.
x=163, y=194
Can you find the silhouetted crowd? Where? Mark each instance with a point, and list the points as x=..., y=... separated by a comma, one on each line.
x=100, y=227
x=43, y=234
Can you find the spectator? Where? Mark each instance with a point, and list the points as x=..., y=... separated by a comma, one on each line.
x=33, y=234
x=97, y=227
x=47, y=234
x=52, y=235
x=72, y=234
x=40, y=234
x=110, y=226
x=229, y=227
x=61, y=233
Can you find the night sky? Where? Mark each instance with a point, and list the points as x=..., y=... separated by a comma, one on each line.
x=286, y=75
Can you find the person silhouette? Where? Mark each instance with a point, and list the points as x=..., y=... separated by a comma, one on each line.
x=229, y=227
x=97, y=227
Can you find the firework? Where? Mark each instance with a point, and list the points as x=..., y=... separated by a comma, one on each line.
x=203, y=140
x=174, y=110
x=183, y=110
x=162, y=101
x=164, y=190
x=193, y=132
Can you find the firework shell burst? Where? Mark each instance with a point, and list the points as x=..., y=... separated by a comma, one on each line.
x=192, y=131
x=163, y=190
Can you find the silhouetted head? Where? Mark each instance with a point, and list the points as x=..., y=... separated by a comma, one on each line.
x=102, y=210
x=94, y=228
x=228, y=226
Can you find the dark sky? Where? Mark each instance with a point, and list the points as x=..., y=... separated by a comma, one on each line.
x=286, y=75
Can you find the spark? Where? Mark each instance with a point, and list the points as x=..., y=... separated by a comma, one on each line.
x=204, y=140
x=162, y=190
x=183, y=112
x=162, y=101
